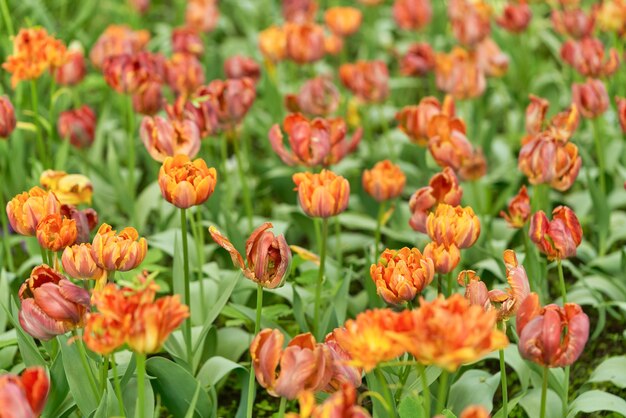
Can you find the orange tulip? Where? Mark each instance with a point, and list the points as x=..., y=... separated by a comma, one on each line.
x=412, y=14
x=343, y=372
x=184, y=73
x=368, y=80
x=519, y=209
x=621, y=112
x=591, y=98
x=73, y=71
x=322, y=195
x=490, y=59
x=78, y=126
x=54, y=232
x=305, y=42
x=238, y=66
x=418, y=61
x=202, y=15
x=588, y=57
x=475, y=411
x=453, y=225
x=442, y=188
x=445, y=257
x=450, y=332
x=304, y=365
x=185, y=183
x=551, y=336
x=447, y=142
x=400, y=275
x=474, y=166
x=133, y=74
x=340, y=404
x=385, y=181
x=51, y=305
x=573, y=22
x=187, y=41
x=470, y=20
x=273, y=43
x=317, y=97
x=299, y=11
x=536, y=114
x=78, y=263
x=24, y=396
x=333, y=44
x=7, y=117
x=558, y=238
x=164, y=138
x=458, y=74
x=70, y=189
x=611, y=16
x=343, y=21
x=117, y=39
x=86, y=220
x=150, y=100
x=122, y=252
x=515, y=17
x=414, y=120
x=27, y=209
x=230, y=99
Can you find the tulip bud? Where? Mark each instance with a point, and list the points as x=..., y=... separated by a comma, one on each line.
x=412, y=14
x=470, y=20
x=491, y=59
x=587, y=56
x=78, y=263
x=187, y=41
x=333, y=44
x=25, y=395
x=27, y=209
x=519, y=209
x=368, y=80
x=121, y=252
x=621, y=112
x=414, y=120
x=450, y=225
x=133, y=73
x=299, y=11
x=591, y=98
x=418, y=61
x=558, y=238
x=185, y=183
x=317, y=97
x=54, y=232
x=515, y=17
x=238, y=66
x=384, y=182
x=163, y=138
x=442, y=188
x=78, y=125
x=573, y=22
x=322, y=195
x=73, y=71
x=7, y=117
x=117, y=39
x=458, y=74
x=273, y=43
x=343, y=21
x=445, y=258
x=230, y=100
x=184, y=73
x=447, y=142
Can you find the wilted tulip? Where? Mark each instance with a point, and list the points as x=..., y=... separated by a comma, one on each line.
x=589, y=58
x=368, y=80
x=187, y=41
x=458, y=74
x=418, y=61
x=491, y=60
x=70, y=189
x=78, y=263
x=166, y=138
x=78, y=125
x=239, y=66
x=24, y=396
x=51, y=304
x=317, y=97
x=202, y=15
x=133, y=73
x=27, y=209
x=591, y=98
x=150, y=100
x=343, y=371
x=299, y=11
x=230, y=99
x=184, y=73
x=515, y=17
x=445, y=257
x=7, y=117
x=621, y=112
x=342, y=403
x=551, y=336
x=470, y=20
x=86, y=220
x=322, y=195
x=412, y=14
x=558, y=238
x=185, y=183
x=385, y=181
x=305, y=42
x=442, y=188
x=573, y=22
x=117, y=39
x=73, y=71
x=304, y=364
x=273, y=43
x=55, y=232
x=414, y=120
x=447, y=142
x=121, y=252
x=400, y=275
x=268, y=257
x=453, y=225
x=343, y=21
x=518, y=209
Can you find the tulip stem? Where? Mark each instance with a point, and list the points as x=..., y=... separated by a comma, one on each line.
x=104, y=371
x=44, y=256
x=247, y=201
x=425, y=388
x=186, y=296
x=320, y=280
x=384, y=386
x=544, y=390
x=41, y=146
x=559, y=267
x=83, y=359
x=566, y=392
x=118, y=388
x=131, y=153
x=443, y=391
x=141, y=381
x=597, y=138
x=257, y=328
x=282, y=407
x=7, y=17
x=5, y=234
x=379, y=222
x=198, y=235
x=505, y=391
x=449, y=283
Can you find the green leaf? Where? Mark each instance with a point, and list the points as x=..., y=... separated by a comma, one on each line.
x=77, y=377
x=532, y=401
x=176, y=387
x=597, y=400
x=108, y=404
x=611, y=370
x=58, y=388
x=28, y=349
x=411, y=407
x=474, y=387
x=512, y=404
x=129, y=395
x=216, y=368
x=514, y=360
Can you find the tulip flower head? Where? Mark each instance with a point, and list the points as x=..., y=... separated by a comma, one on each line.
x=86, y=220
x=273, y=43
x=414, y=120
x=621, y=112
x=343, y=21
x=459, y=74
x=559, y=238
x=443, y=187
x=367, y=80
x=184, y=73
x=133, y=73
x=239, y=66
x=518, y=209
x=78, y=263
x=591, y=98
x=515, y=17
x=322, y=195
x=448, y=143
x=230, y=100
x=24, y=395
x=412, y=14
x=453, y=225
x=74, y=70
x=587, y=56
x=202, y=15
x=70, y=189
x=149, y=100
x=470, y=20
x=385, y=181
x=299, y=11
x=116, y=40
x=7, y=117
x=445, y=257
x=317, y=97
x=342, y=403
x=343, y=371
x=185, y=183
x=166, y=138
x=78, y=126
x=118, y=252
x=304, y=42
x=55, y=232
x=573, y=22
x=27, y=209
x=418, y=61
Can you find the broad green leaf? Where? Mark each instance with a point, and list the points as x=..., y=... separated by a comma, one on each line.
x=129, y=393
x=514, y=360
x=611, y=370
x=58, y=389
x=109, y=406
x=77, y=377
x=474, y=387
x=411, y=407
x=597, y=400
x=532, y=401
x=216, y=368
x=28, y=349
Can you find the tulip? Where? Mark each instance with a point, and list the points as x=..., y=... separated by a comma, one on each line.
x=163, y=138
x=450, y=225
x=551, y=336
x=573, y=22
x=132, y=74
x=268, y=257
x=591, y=98
x=343, y=372
x=587, y=56
x=24, y=396
x=418, y=61
x=185, y=183
x=150, y=100
x=342, y=403
x=458, y=74
x=385, y=181
x=518, y=209
x=70, y=189
x=491, y=60
x=414, y=120
x=304, y=42
x=412, y=14
x=27, y=209
x=187, y=41
x=202, y=15
x=621, y=112
x=317, y=97
x=86, y=220
x=78, y=262
x=470, y=20
x=184, y=73
x=515, y=17
x=304, y=364
x=611, y=16
x=73, y=71
x=202, y=112
x=400, y=275
x=54, y=232
x=116, y=40
x=442, y=188
x=474, y=166
x=238, y=66
x=231, y=100
x=273, y=43
x=299, y=11
x=536, y=114
x=51, y=304
x=445, y=257
x=558, y=238
x=343, y=21
x=122, y=252
x=475, y=411
x=7, y=117
x=447, y=142
x=322, y=195
x=78, y=125
x=333, y=44
x=475, y=290
x=368, y=80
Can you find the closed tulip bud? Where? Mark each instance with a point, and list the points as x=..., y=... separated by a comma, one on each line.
x=573, y=22
x=27, y=209
x=86, y=220
x=412, y=14
x=305, y=42
x=202, y=15
x=515, y=17
x=418, y=61
x=491, y=59
x=317, y=97
x=118, y=252
x=551, y=336
x=51, y=304
x=445, y=258
x=73, y=71
x=24, y=396
x=164, y=138
x=458, y=74
x=273, y=43
x=78, y=126
x=447, y=142
x=117, y=39
x=299, y=11
x=400, y=275
x=621, y=112
x=78, y=263
x=384, y=182
x=268, y=257
x=54, y=232
x=322, y=195
x=442, y=188
x=368, y=80
x=470, y=20
x=70, y=189
x=150, y=100
x=239, y=66
x=588, y=57
x=450, y=225
x=591, y=98
x=343, y=21
x=187, y=41
x=7, y=117
x=558, y=238
x=518, y=209
x=304, y=364
x=185, y=183
x=414, y=120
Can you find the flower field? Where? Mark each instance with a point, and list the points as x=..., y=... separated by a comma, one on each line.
x=313, y=208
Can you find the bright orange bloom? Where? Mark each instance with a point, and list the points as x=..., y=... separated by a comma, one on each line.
x=340, y=404
x=343, y=21
x=187, y=41
x=558, y=238
x=299, y=11
x=70, y=189
x=7, y=117
x=116, y=40
x=26, y=210
x=54, y=232
x=122, y=252
x=447, y=142
x=375, y=336
x=458, y=74
x=401, y=275
x=418, y=61
x=475, y=411
x=185, y=183
x=442, y=188
x=305, y=42
x=611, y=16
x=343, y=371
x=202, y=15
x=166, y=138
x=450, y=332
x=573, y=22
x=515, y=17
x=51, y=305
x=133, y=73
x=621, y=112
x=273, y=43
x=322, y=195
x=414, y=120
x=385, y=181
x=588, y=57
x=367, y=80
x=24, y=396
x=78, y=125
x=333, y=44
x=470, y=20
x=519, y=209
x=412, y=14
x=453, y=225
x=239, y=66
x=304, y=365
x=78, y=262
x=184, y=73
x=591, y=98
x=551, y=336
x=73, y=71
x=445, y=257
x=317, y=97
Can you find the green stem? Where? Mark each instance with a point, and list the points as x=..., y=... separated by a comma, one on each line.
x=527, y=249
x=141, y=382
x=443, y=391
x=44, y=256
x=131, y=153
x=282, y=407
x=257, y=327
x=559, y=267
x=541, y=198
x=449, y=283
x=187, y=294
x=386, y=392
x=104, y=371
x=7, y=17
x=544, y=392
x=439, y=284
x=41, y=146
x=505, y=391
x=565, y=399
x=425, y=388
x=247, y=200
x=320, y=280
x=338, y=243
x=198, y=236
x=379, y=221
x=83, y=359
x=597, y=139
x=118, y=388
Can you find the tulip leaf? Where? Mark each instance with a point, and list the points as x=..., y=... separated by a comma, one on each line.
x=531, y=403
x=216, y=368
x=108, y=404
x=514, y=360
x=611, y=370
x=58, y=388
x=176, y=387
x=77, y=377
x=474, y=387
x=129, y=396
x=511, y=405
x=597, y=400
x=411, y=407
